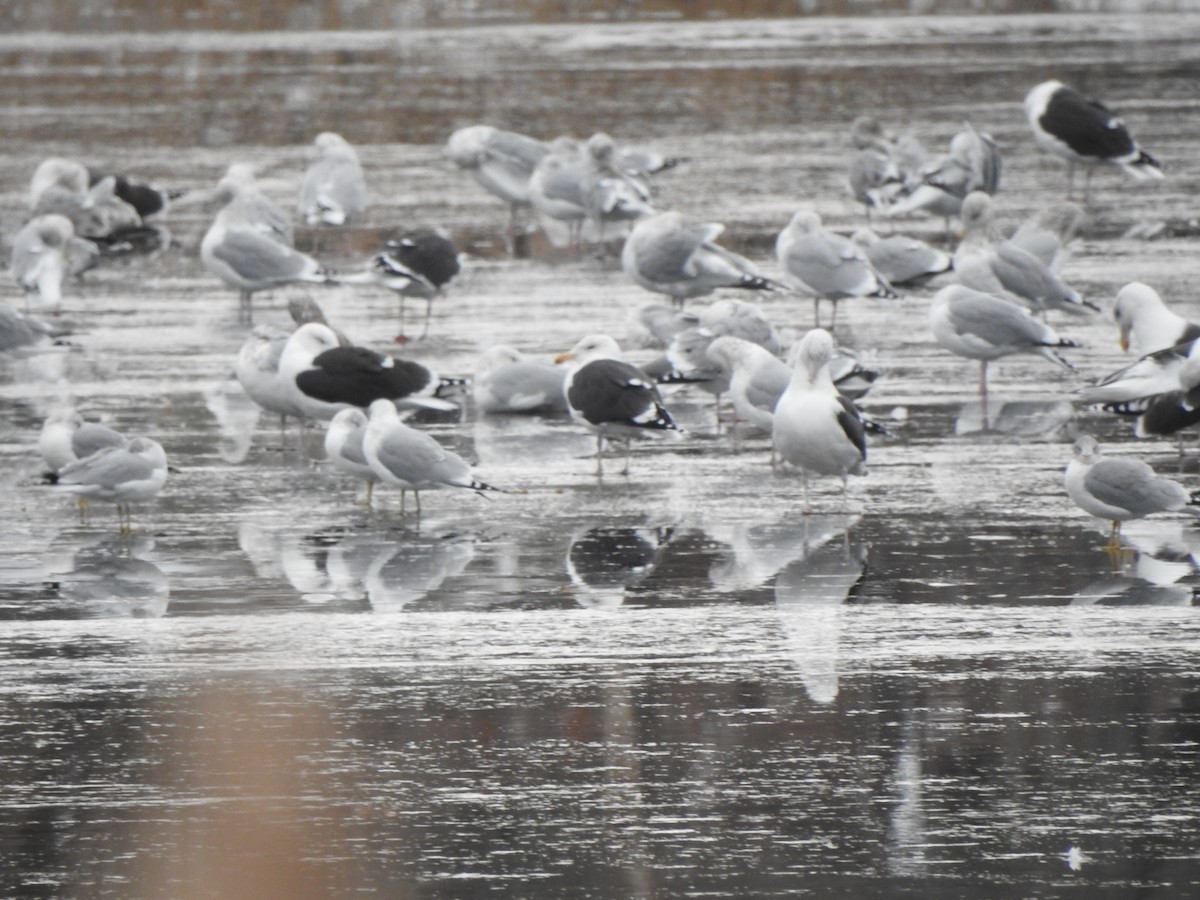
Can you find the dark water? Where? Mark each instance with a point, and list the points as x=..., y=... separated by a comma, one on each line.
x=672, y=684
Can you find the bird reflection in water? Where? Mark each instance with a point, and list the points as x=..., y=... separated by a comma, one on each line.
x=760, y=551
x=109, y=578
x=809, y=593
x=409, y=570
x=237, y=418
x=604, y=562
x=1156, y=565
x=1018, y=418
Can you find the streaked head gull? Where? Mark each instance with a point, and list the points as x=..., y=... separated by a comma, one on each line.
x=505, y=381
x=334, y=190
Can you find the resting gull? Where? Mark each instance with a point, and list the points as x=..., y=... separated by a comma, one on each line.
x=902, y=260
x=1153, y=374
x=66, y=438
x=615, y=399
x=1049, y=233
x=987, y=262
x=979, y=326
x=412, y=460
x=1145, y=320
x=1162, y=415
x=505, y=381
x=322, y=377
x=22, y=334
x=344, y=446
x=334, y=190
x=1121, y=489
x=671, y=255
x=1082, y=130
x=815, y=428
x=826, y=265
x=124, y=475
x=257, y=371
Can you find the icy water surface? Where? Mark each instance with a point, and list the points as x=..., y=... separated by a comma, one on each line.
x=676, y=683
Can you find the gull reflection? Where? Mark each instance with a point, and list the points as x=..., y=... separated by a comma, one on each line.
x=605, y=561
x=286, y=553
x=1018, y=418
x=237, y=417
x=109, y=579
x=1154, y=557
x=760, y=551
x=809, y=593
x=408, y=570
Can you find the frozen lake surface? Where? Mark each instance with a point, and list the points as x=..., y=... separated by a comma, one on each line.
x=675, y=683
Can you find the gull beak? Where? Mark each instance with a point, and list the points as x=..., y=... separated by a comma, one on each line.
x=1125, y=340
x=563, y=357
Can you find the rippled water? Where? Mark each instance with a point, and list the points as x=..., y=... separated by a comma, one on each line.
x=672, y=684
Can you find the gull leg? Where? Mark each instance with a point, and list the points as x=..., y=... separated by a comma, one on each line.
x=428, y=315
x=599, y=454
x=628, y=452
x=983, y=404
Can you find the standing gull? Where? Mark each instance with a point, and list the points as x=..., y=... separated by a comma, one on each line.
x=986, y=262
x=1144, y=319
x=39, y=257
x=979, y=326
x=1082, y=130
x=815, y=428
x=334, y=190
x=322, y=377
x=244, y=249
x=501, y=162
x=669, y=255
x=344, y=446
x=410, y=459
x=826, y=265
x=125, y=475
x=1049, y=233
x=417, y=262
x=1121, y=489
x=615, y=399
x=257, y=371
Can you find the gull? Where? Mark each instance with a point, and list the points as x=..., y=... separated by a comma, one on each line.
x=972, y=163
x=124, y=475
x=344, y=446
x=257, y=371
x=322, y=377
x=244, y=248
x=506, y=381
x=1161, y=415
x=758, y=378
x=66, y=438
x=146, y=199
x=64, y=187
x=815, y=428
x=22, y=334
x=979, y=326
x=239, y=187
x=1153, y=374
x=986, y=262
x=902, y=260
x=577, y=185
x=501, y=162
x=664, y=322
x=1048, y=233
x=615, y=399
x=826, y=265
x=417, y=262
x=39, y=257
x=1082, y=130
x=668, y=254
x=1121, y=489
x=1142, y=317
x=334, y=189
x=873, y=178
x=410, y=459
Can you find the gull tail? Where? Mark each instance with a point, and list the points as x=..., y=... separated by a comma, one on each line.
x=884, y=291
x=481, y=487
x=1145, y=166
x=758, y=283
